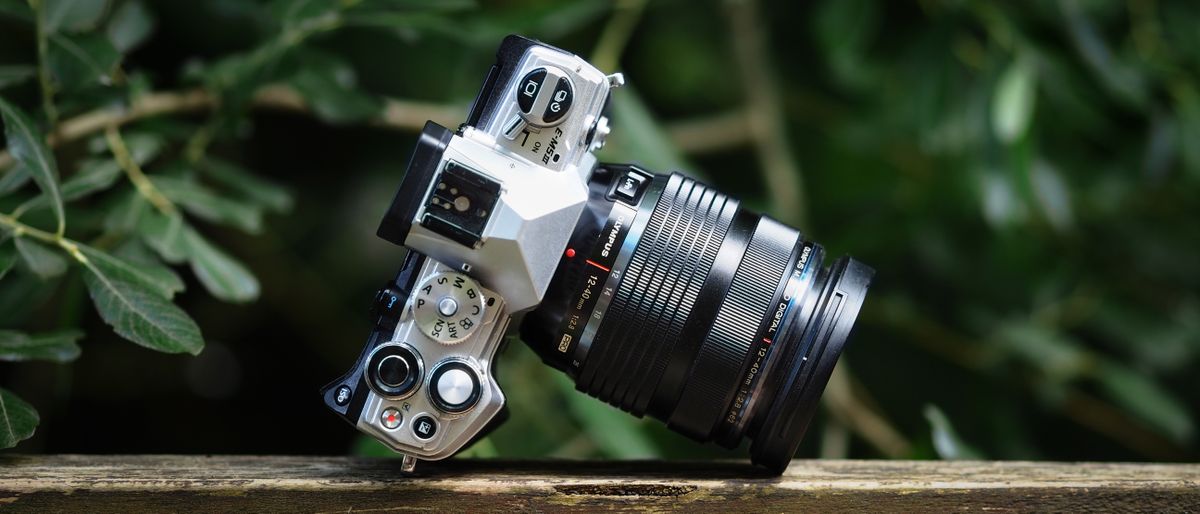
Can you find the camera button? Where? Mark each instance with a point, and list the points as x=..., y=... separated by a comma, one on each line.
x=424, y=427
x=388, y=303
x=391, y=418
x=629, y=186
x=529, y=88
x=454, y=387
x=343, y=395
x=393, y=371
x=560, y=101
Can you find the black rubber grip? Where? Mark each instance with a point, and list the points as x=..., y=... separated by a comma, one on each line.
x=660, y=287
x=718, y=365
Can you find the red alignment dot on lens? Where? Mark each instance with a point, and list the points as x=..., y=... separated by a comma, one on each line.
x=570, y=253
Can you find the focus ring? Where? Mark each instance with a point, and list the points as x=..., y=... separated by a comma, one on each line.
x=659, y=288
x=722, y=355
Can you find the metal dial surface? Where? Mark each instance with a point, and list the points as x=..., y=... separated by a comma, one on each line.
x=448, y=307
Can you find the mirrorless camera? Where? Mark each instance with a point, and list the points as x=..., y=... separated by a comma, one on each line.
x=655, y=293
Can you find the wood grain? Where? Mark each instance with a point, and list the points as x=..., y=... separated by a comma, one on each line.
x=334, y=484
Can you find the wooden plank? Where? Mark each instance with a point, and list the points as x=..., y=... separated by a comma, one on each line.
x=334, y=484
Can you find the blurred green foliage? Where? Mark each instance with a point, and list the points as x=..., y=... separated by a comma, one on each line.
x=1025, y=177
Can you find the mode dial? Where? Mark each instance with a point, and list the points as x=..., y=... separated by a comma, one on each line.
x=448, y=307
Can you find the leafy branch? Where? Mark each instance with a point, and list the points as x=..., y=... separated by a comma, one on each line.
x=397, y=114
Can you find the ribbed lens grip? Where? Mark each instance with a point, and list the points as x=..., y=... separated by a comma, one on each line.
x=658, y=291
x=723, y=354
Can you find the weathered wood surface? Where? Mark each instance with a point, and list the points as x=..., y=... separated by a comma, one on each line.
x=306, y=484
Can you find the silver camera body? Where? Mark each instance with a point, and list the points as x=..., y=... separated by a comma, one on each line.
x=486, y=212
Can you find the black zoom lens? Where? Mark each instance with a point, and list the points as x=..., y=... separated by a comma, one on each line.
x=672, y=300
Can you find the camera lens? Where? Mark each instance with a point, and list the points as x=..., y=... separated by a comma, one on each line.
x=671, y=300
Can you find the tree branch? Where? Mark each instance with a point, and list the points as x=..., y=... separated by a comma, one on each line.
x=711, y=133
x=847, y=407
x=396, y=114
x=764, y=112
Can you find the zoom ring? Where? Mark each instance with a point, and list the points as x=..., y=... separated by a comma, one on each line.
x=659, y=289
x=723, y=354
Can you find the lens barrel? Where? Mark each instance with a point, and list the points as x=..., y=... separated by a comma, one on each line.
x=671, y=300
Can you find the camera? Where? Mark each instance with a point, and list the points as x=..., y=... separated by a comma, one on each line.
x=655, y=293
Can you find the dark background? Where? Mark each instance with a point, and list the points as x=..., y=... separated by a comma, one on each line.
x=1037, y=296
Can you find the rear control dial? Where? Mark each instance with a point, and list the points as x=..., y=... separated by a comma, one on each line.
x=394, y=370
x=454, y=387
x=448, y=307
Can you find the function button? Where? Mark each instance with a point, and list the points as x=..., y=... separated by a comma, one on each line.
x=454, y=387
x=629, y=186
x=531, y=86
x=388, y=303
x=560, y=102
x=342, y=395
x=391, y=418
x=393, y=370
x=424, y=427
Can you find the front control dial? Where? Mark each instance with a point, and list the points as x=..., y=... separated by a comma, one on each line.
x=393, y=370
x=448, y=307
x=454, y=387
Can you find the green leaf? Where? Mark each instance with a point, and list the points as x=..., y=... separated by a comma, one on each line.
x=17, y=419
x=130, y=25
x=615, y=432
x=59, y=346
x=143, y=146
x=73, y=15
x=294, y=14
x=1057, y=356
x=1013, y=101
x=1002, y=206
x=28, y=147
x=222, y=275
x=1149, y=401
x=208, y=205
x=93, y=175
x=82, y=60
x=8, y=257
x=15, y=73
x=1052, y=195
x=164, y=234
x=637, y=137
x=125, y=214
x=945, y=440
x=17, y=10
x=40, y=259
x=328, y=84
x=264, y=192
x=13, y=179
x=140, y=314
x=152, y=276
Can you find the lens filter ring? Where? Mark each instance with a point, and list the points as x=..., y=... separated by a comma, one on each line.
x=802, y=377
